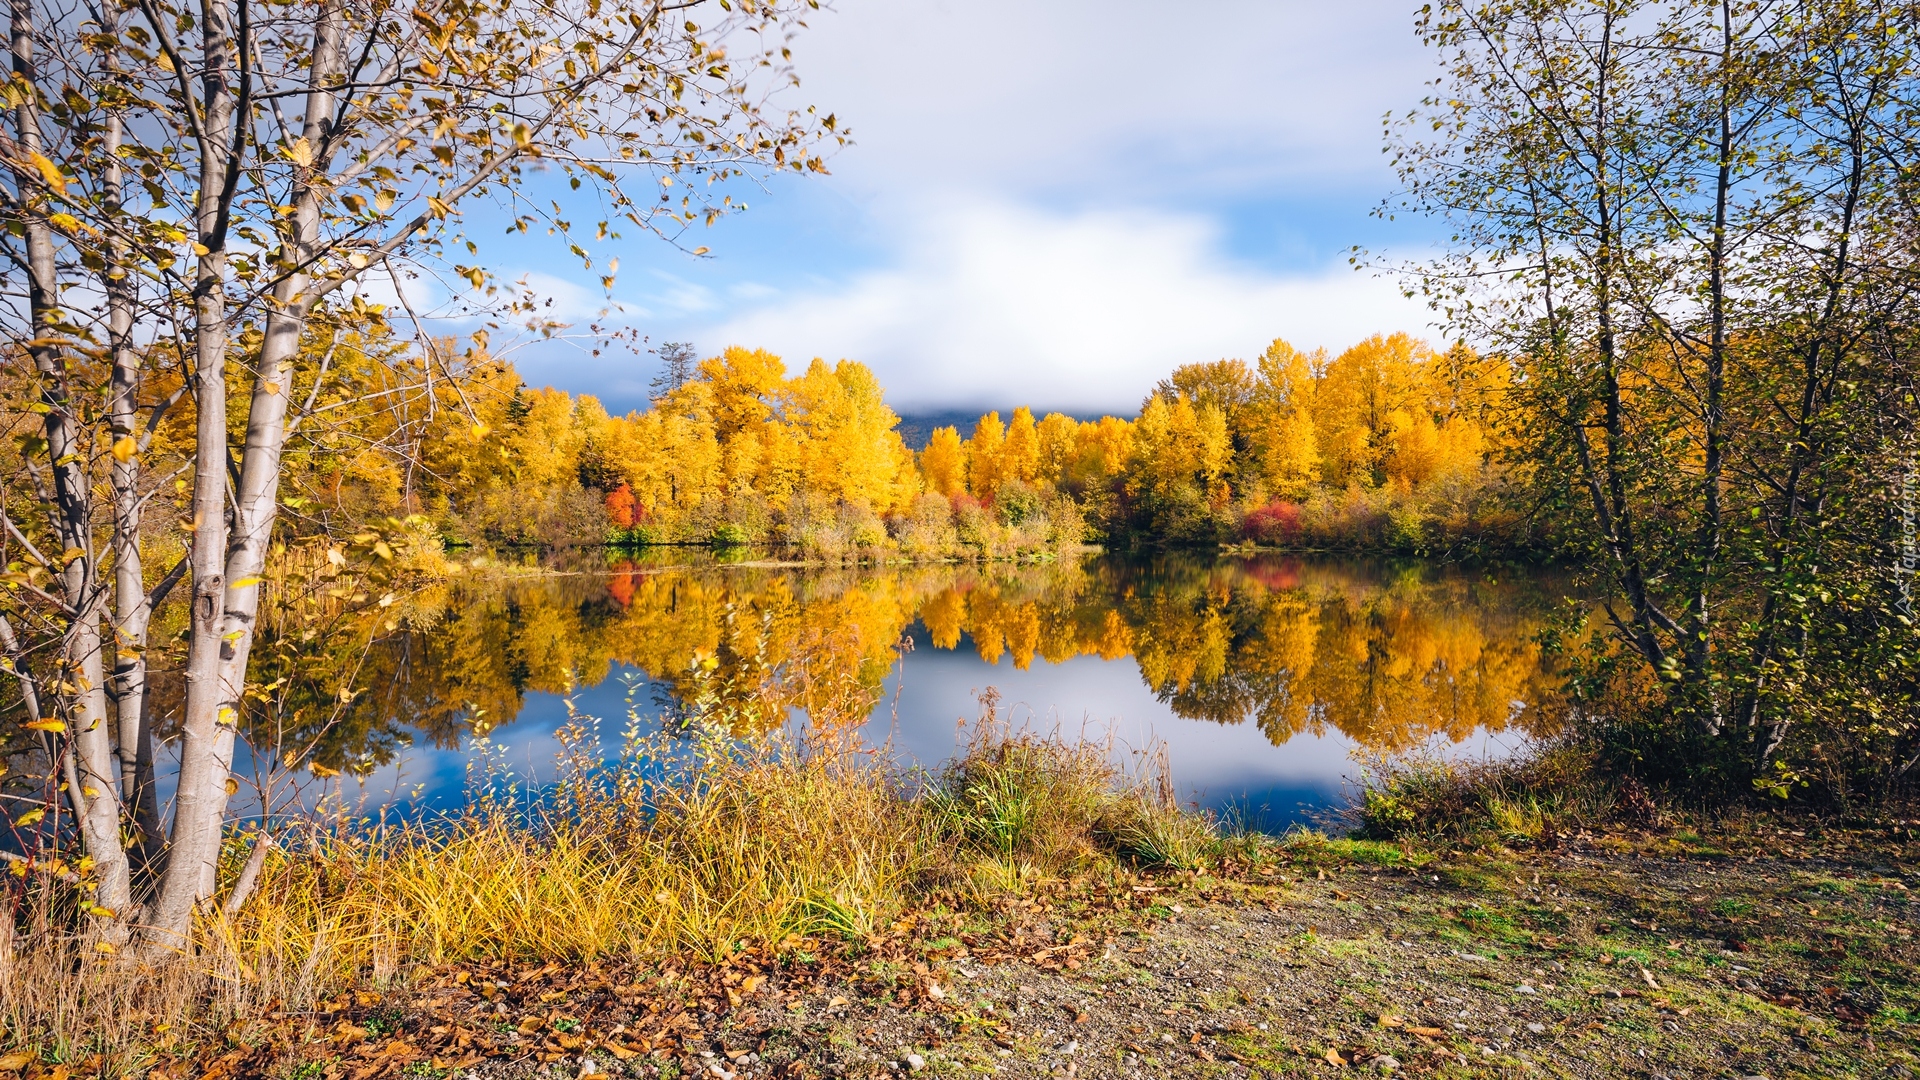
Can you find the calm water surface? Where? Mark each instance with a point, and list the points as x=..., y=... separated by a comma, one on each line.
x=1265, y=679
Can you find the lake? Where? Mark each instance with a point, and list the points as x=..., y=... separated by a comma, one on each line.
x=1266, y=680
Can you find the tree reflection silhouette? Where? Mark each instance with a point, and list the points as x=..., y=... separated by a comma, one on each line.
x=1388, y=655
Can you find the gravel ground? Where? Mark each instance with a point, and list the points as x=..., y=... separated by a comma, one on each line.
x=1594, y=965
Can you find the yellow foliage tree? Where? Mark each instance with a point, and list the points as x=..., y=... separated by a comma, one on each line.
x=1059, y=438
x=1020, y=455
x=983, y=456
x=1181, y=454
x=943, y=463
x=1413, y=446
x=1102, y=450
x=747, y=388
x=669, y=455
x=1283, y=435
x=851, y=448
x=1354, y=403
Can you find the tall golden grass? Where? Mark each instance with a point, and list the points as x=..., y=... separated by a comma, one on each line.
x=665, y=847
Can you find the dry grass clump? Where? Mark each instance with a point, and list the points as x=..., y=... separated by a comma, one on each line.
x=1021, y=807
x=1531, y=798
x=65, y=1000
x=663, y=847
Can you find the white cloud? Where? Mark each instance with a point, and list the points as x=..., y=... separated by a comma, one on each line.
x=1140, y=128
x=557, y=297
x=990, y=304
x=1110, y=96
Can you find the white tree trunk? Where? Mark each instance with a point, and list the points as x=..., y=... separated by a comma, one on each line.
x=224, y=623
x=132, y=611
x=82, y=676
x=209, y=714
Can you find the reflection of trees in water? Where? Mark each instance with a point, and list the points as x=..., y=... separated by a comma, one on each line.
x=1387, y=656
x=1389, y=665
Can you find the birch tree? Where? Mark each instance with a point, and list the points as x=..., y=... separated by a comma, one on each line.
x=195, y=185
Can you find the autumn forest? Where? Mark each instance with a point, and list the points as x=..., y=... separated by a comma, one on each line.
x=1389, y=445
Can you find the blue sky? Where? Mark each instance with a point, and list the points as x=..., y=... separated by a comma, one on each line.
x=1046, y=203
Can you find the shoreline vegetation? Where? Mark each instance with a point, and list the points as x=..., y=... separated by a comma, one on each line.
x=690, y=844
x=668, y=905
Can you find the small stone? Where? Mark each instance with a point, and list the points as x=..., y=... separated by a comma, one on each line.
x=1385, y=1063
x=1536, y=1028
x=1523, y=988
x=915, y=1062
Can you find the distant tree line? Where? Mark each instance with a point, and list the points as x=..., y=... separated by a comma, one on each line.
x=1388, y=445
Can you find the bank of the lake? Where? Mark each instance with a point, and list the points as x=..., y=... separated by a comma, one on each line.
x=1764, y=947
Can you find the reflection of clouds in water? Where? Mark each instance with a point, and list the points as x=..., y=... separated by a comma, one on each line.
x=1215, y=765
x=437, y=773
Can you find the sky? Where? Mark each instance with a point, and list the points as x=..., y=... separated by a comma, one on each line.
x=1050, y=204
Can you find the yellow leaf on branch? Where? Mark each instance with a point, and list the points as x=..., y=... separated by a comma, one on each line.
x=50, y=172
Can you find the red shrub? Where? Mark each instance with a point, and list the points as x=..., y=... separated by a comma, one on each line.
x=620, y=503
x=1278, y=522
